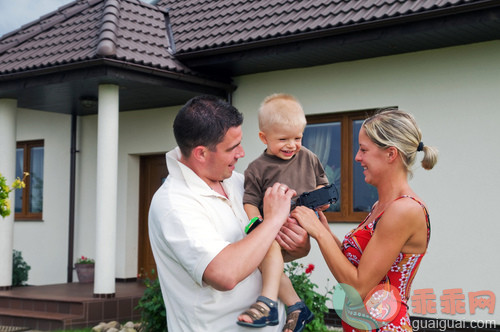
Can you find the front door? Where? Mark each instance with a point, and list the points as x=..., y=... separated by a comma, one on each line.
x=153, y=171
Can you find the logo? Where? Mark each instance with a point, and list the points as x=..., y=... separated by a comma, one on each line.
x=379, y=308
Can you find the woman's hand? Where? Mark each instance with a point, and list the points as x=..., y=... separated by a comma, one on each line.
x=309, y=221
x=323, y=220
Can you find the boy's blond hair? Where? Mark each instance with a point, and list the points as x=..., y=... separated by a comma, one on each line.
x=281, y=109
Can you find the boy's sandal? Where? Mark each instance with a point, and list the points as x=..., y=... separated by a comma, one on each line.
x=298, y=315
x=260, y=315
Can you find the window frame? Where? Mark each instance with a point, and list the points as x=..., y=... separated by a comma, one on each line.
x=25, y=215
x=346, y=119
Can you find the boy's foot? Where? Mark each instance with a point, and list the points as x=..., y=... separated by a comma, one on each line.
x=262, y=313
x=298, y=315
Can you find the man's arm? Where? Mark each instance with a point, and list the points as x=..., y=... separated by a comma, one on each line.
x=291, y=237
x=239, y=259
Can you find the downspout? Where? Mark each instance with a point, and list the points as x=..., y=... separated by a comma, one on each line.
x=72, y=180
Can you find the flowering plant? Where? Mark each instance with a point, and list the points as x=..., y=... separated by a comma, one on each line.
x=5, y=191
x=85, y=260
x=299, y=276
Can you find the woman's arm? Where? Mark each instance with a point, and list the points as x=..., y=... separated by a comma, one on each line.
x=393, y=231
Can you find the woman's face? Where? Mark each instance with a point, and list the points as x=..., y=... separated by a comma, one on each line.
x=371, y=157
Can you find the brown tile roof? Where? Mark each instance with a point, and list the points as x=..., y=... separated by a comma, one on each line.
x=124, y=30
x=166, y=52
x=135, y=32
x=209, y=24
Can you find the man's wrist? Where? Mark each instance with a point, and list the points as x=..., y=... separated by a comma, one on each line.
x=254, y=222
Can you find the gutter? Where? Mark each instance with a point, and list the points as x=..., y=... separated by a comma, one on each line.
x=72, y=186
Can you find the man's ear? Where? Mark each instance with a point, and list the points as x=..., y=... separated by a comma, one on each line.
x=392, y=153
x=199, y=153
x=263, y=137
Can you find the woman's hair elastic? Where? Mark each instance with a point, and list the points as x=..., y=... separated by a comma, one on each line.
x=420, y=146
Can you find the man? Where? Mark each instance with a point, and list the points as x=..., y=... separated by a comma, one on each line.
x=206, y=265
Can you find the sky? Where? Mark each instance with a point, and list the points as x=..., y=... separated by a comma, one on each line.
x=16, y=13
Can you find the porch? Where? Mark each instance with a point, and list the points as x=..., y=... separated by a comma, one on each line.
x=65, y=306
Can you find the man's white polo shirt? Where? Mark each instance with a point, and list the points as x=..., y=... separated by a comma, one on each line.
x=189, y=224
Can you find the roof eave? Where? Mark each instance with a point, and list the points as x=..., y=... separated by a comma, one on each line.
x=178, y=76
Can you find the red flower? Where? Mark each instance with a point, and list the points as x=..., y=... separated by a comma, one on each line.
x=310, y=268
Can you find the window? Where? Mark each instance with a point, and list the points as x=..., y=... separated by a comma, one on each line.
x=29, y=201
x=334, y=139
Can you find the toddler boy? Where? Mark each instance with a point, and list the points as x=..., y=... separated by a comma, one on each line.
x=285, y=160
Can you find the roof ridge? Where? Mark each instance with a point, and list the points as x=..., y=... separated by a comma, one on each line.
x=106, y=45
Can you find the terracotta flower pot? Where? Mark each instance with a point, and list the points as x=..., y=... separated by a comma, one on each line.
x=85, y=272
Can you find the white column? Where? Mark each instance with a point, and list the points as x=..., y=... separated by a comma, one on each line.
x=106, y=196
x=8, y=115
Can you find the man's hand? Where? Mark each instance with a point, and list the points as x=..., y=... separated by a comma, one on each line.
x=277, y=203
x=294, y=240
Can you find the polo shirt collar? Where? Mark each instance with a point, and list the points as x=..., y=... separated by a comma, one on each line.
x=179, y=170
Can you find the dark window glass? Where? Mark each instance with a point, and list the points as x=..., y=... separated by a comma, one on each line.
x=29, y=201
x=334, y=139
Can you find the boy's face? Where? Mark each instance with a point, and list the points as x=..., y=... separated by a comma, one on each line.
x=282, y=142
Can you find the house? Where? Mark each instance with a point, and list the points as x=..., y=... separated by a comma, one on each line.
x=97, y=84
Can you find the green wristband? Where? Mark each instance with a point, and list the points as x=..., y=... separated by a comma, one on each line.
x=254, y=222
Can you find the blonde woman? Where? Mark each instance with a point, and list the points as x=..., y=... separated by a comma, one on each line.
x=385, y=250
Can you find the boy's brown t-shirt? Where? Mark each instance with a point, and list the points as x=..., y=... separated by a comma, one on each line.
x=302, y=173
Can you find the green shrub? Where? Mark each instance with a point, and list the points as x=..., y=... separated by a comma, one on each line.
x=305, y=288
x=153, y=313
x=20, y=269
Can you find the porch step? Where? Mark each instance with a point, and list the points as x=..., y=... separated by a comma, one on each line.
x=68, y=306
x=13, y=328
x=42, y=320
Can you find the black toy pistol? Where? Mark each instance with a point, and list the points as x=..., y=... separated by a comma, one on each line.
x=316, y=198
x=313, y=200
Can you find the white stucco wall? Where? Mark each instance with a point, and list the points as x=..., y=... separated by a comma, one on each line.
x=140, y=133
x=454, y=94
x=44, y=244
x=151, y=134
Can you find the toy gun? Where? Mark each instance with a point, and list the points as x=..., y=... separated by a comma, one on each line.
x=313, y=200
x=316, y=198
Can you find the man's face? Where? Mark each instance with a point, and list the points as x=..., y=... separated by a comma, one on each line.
x=220, y=163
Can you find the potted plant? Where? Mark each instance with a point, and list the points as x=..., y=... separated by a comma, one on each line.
x=85, y=269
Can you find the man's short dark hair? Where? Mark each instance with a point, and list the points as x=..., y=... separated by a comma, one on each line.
x=204, y=120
